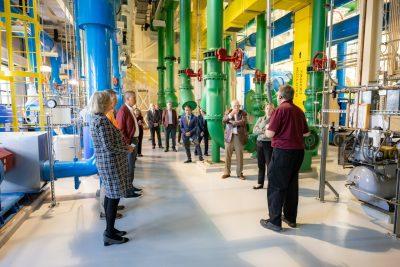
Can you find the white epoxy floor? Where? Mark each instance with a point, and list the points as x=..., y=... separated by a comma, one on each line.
x=188, y=218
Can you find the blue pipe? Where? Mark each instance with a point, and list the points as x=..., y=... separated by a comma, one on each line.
x=64, y=169
x=341, y=78
x=116, y=66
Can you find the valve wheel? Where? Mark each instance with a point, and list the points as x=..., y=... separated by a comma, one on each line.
x=311, y=142
x=238, y=56
x=200, y=74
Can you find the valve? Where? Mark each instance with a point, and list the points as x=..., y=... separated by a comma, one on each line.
x=320, y=62
x=190, y=73
x=259, y=77
x=236, y=58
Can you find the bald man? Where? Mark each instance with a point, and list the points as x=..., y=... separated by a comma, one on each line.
x=235, y=121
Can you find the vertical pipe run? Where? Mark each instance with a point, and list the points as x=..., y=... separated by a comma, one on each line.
x=268, y=18
x=316, y=79
x=227, y=68
x=214, y=77
x=161, y=68
x=341, y=78
x=170, y=57
x=116, y=69
x=186, y=88
x=259, y=96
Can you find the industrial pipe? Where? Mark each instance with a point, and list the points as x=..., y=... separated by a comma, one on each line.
x=161, y=68
x=65, y=169
x=170, y=95
x=259, y=97
x=316, y=78
x=227, y=69
x=186, y=88
x=116, y=69
x=341, y=78
x=214, y=77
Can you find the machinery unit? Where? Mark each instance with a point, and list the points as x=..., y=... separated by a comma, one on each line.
x=374, y=156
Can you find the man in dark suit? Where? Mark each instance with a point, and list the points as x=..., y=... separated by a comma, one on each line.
x=154, y=120
x=170, y=122
x=189, y=128
x=202, y=132
x=129, y=127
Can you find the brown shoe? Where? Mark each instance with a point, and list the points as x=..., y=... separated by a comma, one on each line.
x=225, y=176
x=242, y=177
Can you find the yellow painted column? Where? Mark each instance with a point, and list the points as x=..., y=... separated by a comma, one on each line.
x=301, y=53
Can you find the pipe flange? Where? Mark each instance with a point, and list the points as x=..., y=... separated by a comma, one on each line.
x=215, y=76
x=185, y=87
x=216, y=117
x=161, y=68
x=209, y=53
x=181, y=71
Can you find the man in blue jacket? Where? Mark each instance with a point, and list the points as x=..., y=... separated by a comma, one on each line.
x=189, y=129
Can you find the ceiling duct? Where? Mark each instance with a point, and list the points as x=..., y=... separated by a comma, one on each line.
x=141, y=11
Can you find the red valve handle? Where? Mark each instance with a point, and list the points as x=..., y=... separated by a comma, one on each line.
x=115, y=81
x=190, y=73
x=236, y=58
x=319, y=62
x=200, y=75
x=260, y=76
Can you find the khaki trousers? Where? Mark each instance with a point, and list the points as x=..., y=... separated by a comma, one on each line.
x=236, y=145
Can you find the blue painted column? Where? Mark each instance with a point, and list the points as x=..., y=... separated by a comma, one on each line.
x=341, y=78
x=116, y=70
x=96, y=18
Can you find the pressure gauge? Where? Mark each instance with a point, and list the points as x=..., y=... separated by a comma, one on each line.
x=51, y=103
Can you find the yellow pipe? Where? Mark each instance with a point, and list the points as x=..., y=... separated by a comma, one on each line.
x=7, y=15
x=38, y=28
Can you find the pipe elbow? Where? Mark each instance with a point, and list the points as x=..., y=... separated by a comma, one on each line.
x=63, y=169
x=216, y=131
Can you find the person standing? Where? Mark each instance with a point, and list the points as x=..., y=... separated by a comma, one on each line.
x=287, y=128
x=235, y=138
x=140, y=122
x=130, y=131
x=153, y=120
x=111, y=116
x=203, y=131
x=111, y=154
x=189, y=130
x=170, y=122
x=264, y=148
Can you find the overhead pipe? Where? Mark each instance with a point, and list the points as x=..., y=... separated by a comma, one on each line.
x=170, y=59
x=185, y=72
x=214, y=77
x=161, y=68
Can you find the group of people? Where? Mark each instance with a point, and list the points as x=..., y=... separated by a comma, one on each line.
x=117, y=139
x=191, y=129
x=280, y=151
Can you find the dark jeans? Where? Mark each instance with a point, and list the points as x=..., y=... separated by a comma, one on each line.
x=153, y=131
x=186, y=142
x=264, y=154
x=179, y=135
x=140, y=141
x=283, y=184
x=170, y=132
x=132, y=161
x=110, y=207
x=201, y=138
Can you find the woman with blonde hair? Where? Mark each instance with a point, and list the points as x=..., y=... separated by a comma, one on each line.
x=111, y=160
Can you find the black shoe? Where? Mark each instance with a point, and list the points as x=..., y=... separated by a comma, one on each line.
x=103, y=216
x=201, y=159
x=188, y=161
x=268, y=225
x=154, y=147
x=118, y=232
x=113, y=239
x=140, y=155
x=136, y=189
x=133, y=195
x=206, y=154
x=259, y=186
x=120, y=207
x=291, y=224
x=166, y=150
x=160, y=146
x=174, y=149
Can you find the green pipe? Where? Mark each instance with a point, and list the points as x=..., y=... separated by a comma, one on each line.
x=170, y=95
x=186, y=88
x=316, y=78
x=227, y=69
x=161, y=68
x=259, y=96
x=214, y=77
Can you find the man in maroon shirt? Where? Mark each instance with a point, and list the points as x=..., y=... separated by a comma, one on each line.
x=287, y=128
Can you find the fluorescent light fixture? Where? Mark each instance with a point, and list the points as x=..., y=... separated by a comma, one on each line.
x=45, y=69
